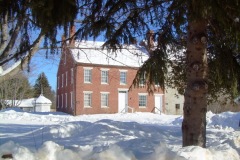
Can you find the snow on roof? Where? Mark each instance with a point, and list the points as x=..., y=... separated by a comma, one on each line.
x=22, y=103
x=27, y=102
x=43, y=100
x=91, y=52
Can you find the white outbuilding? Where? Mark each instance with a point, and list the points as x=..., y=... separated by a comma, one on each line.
x=42, y=104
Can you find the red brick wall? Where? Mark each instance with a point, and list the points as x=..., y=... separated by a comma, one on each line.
x=113, y=87
x=65, y=65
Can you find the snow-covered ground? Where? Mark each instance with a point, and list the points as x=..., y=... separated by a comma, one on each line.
x=130, y=136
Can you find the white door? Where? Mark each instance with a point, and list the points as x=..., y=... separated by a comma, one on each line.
x=122, y=101
x=158, y=104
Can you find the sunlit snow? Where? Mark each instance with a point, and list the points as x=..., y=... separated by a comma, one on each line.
x=129, y=136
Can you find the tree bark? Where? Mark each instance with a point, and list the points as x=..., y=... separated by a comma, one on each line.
x=195, y=103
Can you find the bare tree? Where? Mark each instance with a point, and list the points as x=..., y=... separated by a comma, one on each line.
x=13, y=89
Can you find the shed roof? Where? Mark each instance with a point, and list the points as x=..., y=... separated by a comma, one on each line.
x=27, y=102
x=43, y=100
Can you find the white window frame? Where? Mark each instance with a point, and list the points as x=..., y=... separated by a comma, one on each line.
x=62, y=79
x=87, y=78
x=121, y=78
x=104, y=102
x=89, y=103
x=71, y=95
x=142, y=81
x=66, y=77
x=66, y=100
x=104, y=77
x=58, y=82
x=140, y=100
x=62, y=102
x=65, y=57
x=58, y=101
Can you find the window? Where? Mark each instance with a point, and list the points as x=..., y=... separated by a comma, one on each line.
x=71, y=75
x=87, y=75
x=66, y=77
x=65, y=57
x=87, y=99
x=71, y=96
x=62, y=79
x=177, y=106
x=123, y=77
x=142, y=100
x=62, y=102
x=58, y=82
x=66, y=100
x=104, y=76
x=142, y=80
x=104, y=99
x=57, y=101
x=156, y=81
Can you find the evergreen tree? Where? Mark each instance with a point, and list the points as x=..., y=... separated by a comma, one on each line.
x=29, y=90
x=208, y=30
x=20, y=19
x=42, y=87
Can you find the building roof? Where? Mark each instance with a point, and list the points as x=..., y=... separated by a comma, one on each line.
x=27, y=102
x=92, y=53
x=30, y=102
x=43, y=100
x=22, y=103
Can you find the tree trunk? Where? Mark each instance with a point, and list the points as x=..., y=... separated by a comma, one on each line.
x=195, y=104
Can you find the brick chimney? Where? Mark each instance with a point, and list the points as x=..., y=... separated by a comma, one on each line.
x=72, y=31
x=150, y=40
x=63, y=44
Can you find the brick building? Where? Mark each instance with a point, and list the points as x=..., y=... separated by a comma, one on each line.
x=92, y=80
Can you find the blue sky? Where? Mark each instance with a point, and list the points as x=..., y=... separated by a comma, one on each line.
x=49, y=66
